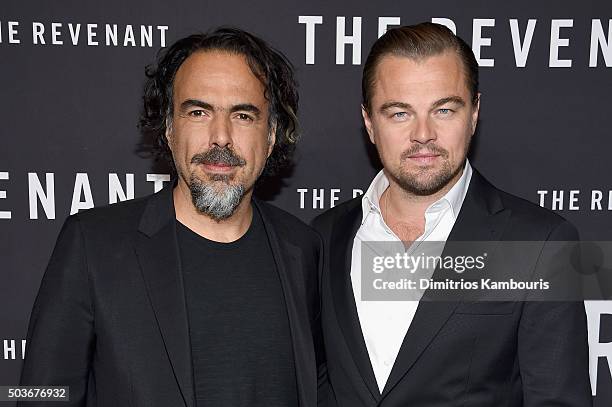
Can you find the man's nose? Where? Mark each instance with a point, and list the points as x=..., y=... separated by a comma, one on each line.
x=423, y=132
x=220, y=132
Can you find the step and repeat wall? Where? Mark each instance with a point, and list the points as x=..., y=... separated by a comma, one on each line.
x=71, y=80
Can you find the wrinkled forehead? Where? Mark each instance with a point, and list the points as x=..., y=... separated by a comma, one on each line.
x=214, y=74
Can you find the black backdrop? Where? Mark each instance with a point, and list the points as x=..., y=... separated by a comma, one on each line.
x=69, y=108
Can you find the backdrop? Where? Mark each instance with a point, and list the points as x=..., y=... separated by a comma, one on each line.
x=71, y=77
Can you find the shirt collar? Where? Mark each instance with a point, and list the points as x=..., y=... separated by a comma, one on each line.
x=370, y=202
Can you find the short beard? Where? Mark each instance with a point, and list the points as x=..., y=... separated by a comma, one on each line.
x=430, y=186
x=437, y=181
x=218, y=203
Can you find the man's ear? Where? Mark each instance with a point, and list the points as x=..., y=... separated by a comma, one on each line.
x=475, y=113
x=367, y=123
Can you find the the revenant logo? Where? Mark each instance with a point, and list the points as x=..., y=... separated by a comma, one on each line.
x=557, y=32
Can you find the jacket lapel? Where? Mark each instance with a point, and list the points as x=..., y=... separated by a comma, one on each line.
x=289, y=267
x=482, y=218
x=341, y=244
x=158, y=255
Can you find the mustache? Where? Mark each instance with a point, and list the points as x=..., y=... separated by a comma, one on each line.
x=219, y=155
x=418, y=149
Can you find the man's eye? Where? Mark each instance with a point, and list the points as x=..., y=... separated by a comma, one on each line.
x=444, y=111
x=399, y=115
x=244, y=117
x=196, y=113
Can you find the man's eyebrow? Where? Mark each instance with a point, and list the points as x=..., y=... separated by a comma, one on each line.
x=246, y=107
x=241, y=107
x=196, y=103
x=451, y=99
x=389, y=105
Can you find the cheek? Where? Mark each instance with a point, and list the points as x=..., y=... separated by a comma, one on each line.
x=187, y=141
x=391, y=141
x=181, y=155
x=263, y=151
x=454, y=137
x=179, y=148
x=255, y=151
x=174, y=148
x=456, y=149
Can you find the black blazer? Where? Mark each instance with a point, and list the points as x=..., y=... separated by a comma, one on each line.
x=110, y=317
x=457, y=353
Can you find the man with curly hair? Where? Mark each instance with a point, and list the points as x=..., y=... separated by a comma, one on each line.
x=199, y=295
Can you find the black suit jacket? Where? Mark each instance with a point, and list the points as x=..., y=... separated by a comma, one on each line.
x=110, y=317
x=459, y=353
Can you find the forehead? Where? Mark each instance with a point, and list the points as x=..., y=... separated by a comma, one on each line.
x=428, y=79
x=217, y=74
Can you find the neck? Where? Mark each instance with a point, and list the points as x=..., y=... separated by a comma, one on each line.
x=226, y=230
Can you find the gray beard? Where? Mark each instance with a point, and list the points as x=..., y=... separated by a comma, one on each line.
x=218, y=203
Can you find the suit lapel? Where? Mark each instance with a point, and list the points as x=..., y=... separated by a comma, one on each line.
x=341, y=244
x=482, y=218
x=289, y=267
x=158, y=255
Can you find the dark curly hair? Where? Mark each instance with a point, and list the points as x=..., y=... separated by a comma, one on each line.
x=271, y=67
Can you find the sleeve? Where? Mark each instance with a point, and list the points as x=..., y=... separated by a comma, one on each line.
x=553, y=347
x=60, y=339
x=325, y=396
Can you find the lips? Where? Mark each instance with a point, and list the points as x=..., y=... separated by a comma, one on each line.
x=423, y=158
x=218, y=167
x=424, y=155
x=218, y=164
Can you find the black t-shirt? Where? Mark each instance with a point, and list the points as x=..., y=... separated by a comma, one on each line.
x=240, y=339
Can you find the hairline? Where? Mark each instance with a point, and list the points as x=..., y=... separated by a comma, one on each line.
x=228, y=51
x=420, y=58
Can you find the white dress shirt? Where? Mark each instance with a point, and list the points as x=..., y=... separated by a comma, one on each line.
x=385, y=323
